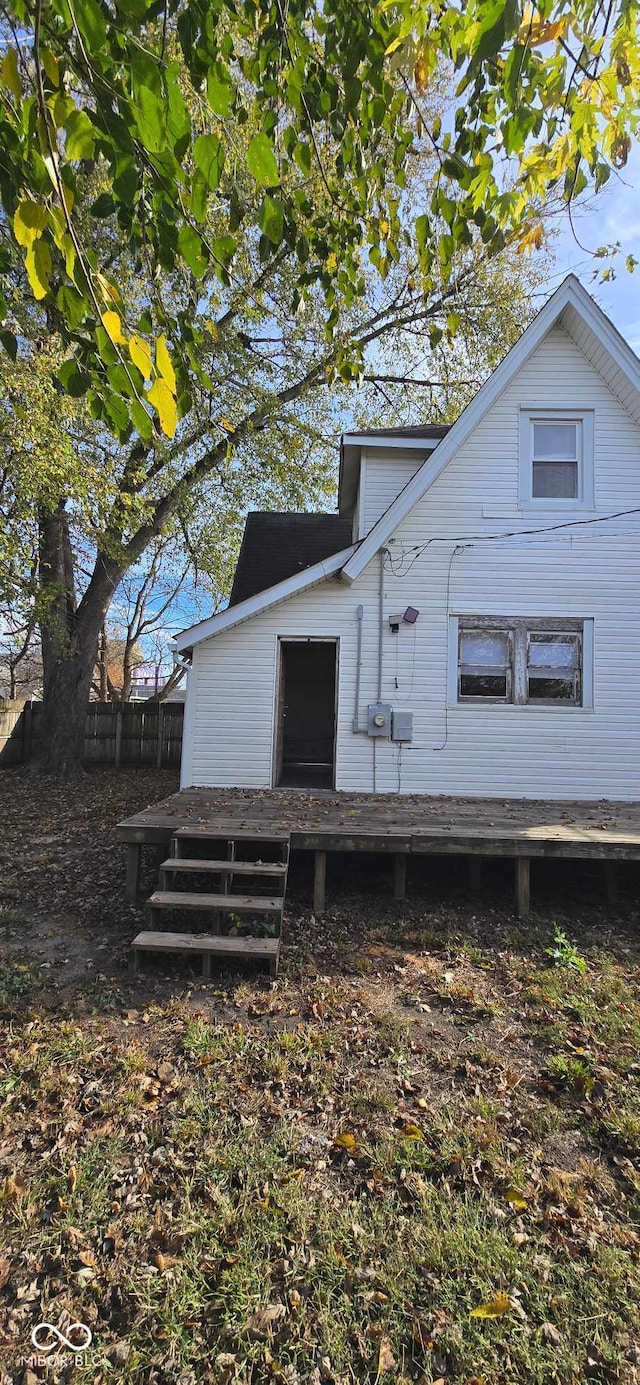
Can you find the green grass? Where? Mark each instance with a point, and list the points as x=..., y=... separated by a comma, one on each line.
x=181, y=1181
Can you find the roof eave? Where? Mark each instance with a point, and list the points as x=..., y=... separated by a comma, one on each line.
x=262, y=601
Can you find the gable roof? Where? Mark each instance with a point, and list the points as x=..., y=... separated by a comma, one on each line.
x=597, y=338
x=276, y=546
x=262, y=601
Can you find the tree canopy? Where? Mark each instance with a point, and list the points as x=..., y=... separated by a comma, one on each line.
x=181, y=132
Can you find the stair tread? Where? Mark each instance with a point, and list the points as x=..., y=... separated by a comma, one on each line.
x=182, y=899
x=231, y=833
x=205, y=942
x=183, y=863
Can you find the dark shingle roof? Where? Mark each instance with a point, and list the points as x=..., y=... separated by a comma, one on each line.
x=276, y=546
x=419, y=430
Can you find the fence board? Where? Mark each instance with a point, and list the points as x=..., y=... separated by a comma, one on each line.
x=149, y=735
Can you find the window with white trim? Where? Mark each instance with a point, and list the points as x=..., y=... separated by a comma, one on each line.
x=556, y=459
x=537, y=661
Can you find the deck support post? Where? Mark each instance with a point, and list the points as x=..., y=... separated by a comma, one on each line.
x=400, y=875
x=134, y=851
x=611, y=881
x=319, y=881
x=523, y=886
x=475, y=872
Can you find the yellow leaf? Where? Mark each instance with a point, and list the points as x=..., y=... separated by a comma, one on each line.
x=411, y=1131
x=163, y=364
x=225, y=423
x=108, y=290
x=72, y=1178
x=165, y=406
x=141, y=355
x=516, y=1199
x=50, y=65
x=346, y=1140
x=495, y=1308
x=29, y=222
x=9, y=73
x=113, y=327
x=531, y=240
x=386, y=1358
x=38, y=263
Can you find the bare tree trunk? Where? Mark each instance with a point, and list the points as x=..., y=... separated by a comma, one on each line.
x=70, y=639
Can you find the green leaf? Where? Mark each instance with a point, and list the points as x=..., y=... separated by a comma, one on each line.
x=104, y=205
x=302, y=156
x=208, y=156
x=81, y=136
x=192, y=251
x=219, y=91
x=75, y=382
x=9, y=342
x=91, y=22
x=271, y=220
x=149, y=114
x=261, y=161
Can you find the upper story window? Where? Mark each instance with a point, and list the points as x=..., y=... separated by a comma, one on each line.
x=556, y=459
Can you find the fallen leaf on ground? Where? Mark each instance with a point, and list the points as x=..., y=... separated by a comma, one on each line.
x=386, y=1358
x=495, y=1308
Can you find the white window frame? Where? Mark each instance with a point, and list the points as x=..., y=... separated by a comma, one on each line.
x=518, y=701
x=584, y=418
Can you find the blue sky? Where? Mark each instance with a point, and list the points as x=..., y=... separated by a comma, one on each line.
x=614, y=215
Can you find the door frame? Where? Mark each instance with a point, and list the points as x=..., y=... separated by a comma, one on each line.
x=278, y=701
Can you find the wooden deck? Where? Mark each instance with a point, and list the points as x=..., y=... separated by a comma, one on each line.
x=325, y=821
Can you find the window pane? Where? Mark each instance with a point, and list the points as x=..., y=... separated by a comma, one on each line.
x=555, y=480
x=552, y=689
x=555, y=442
x=486, y=685
x=484, y=647
x=554, y=651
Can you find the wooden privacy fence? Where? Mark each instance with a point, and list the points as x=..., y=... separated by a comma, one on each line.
x=134, y=733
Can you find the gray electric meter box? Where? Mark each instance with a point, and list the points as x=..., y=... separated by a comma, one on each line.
x=401, y=725
x=379, y=719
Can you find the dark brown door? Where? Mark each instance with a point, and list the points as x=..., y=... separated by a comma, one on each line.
x=306, y=740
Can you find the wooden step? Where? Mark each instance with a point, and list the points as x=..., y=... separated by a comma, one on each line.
x=183, y=863
x=229, y=903
x=203, y=944
x=232, y=833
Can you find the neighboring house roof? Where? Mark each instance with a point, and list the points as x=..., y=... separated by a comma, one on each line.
x=570, y=306
x=276, y=546
x=597, y=338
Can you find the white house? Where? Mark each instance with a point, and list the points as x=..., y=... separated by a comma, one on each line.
x=469, y=623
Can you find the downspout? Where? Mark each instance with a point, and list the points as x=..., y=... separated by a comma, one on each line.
x=356, y=709
x=180, y=663
x=383, y=552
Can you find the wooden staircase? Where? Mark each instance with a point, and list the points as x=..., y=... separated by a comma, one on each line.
x=205, y=873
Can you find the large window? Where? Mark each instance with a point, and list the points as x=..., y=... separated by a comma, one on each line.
x=538, y=661
x=556, y=459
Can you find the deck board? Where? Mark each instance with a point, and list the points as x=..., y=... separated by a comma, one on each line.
x=327, y=820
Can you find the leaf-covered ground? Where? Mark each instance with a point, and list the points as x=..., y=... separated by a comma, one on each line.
x=414, y=1157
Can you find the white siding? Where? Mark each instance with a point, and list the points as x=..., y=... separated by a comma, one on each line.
x=383, y=475
x=444, y=560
